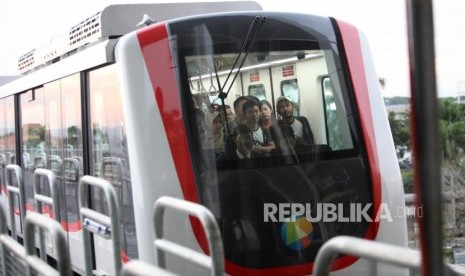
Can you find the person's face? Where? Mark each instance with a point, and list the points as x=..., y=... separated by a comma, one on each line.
x=244, y=142
x=285, y=109
x=217, y=124
x=238, y=110
x=252, y=115
x=229, y=114
x=266, y=112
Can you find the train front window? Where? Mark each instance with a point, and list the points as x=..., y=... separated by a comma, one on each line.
x=279, y=147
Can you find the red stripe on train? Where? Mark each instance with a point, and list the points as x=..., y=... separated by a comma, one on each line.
x=158, y=59
x=354, y=54
x=157, y=55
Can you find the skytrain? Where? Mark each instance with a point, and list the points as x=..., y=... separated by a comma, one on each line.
x=130, y=104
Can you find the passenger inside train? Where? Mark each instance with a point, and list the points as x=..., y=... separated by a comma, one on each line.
x=295, y=128
x=263, y=143
x=311, y=150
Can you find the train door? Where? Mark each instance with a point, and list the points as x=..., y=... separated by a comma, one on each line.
x=63, y=144
x=7, y=145
x=290, y=89
x=286, y=84
x=110, y=161
x=2, y=153
x=257, y=83
x=52, y=139
x=33, y=139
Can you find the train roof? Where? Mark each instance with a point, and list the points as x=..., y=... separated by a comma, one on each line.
x=115, y=21
x=95, y=39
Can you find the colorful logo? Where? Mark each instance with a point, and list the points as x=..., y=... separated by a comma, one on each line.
x=298, y=234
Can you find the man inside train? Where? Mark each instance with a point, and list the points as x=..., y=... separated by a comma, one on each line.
x=241, y=153
x=295, y=128
x=263, y=143
x=239, y=118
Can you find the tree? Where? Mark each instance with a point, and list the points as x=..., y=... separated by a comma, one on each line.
x=400, y=128
x=452, y=129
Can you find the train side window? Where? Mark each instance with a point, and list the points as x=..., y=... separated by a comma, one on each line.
x=257, y=90
x=69, y=159
x=290, y=88
x=109, y=150
x=337, y=129
x=10, y=116
x=33, y=138
x=3, y=136
x=7, y=137
x=53, y=128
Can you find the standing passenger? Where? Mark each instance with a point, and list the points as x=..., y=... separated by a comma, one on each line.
x=263, y=143
x=296, y=128
x=268, y=121
x=241, y=156
x=215, y=135
x=229, y=114
x=267, y=118
x=239, y=114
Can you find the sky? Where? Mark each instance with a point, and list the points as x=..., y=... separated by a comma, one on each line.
x=27, y=24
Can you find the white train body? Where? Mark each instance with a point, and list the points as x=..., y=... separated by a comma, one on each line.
x=125, y=109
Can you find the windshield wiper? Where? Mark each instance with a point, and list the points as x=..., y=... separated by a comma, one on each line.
x=247, y=44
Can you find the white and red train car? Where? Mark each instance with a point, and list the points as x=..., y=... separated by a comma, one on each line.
x=120, y=105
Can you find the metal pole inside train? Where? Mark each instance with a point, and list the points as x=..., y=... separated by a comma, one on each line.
x=425, y=132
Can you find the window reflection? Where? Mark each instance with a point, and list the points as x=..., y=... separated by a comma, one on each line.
x=110, y=159
x=7, y=138
x=52, y=139
x=280, y=146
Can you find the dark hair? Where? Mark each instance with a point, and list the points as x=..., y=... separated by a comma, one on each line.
x=241, y=129
x=251, y=97
x=262, y=102
x=238, y=100
x=265, y=102
x=249, y=104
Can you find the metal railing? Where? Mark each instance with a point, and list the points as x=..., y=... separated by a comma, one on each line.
x=39, y=176
x=15, y=190
x=372, y=250
x=18, y=260
x=10, y=250
x=138, y=268
x=98, y=223
x=58, y=236
x=214, y=262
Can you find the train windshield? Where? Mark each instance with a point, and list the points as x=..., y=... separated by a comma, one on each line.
x=272, y=129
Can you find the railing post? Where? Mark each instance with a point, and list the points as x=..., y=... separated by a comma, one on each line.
x=19, y=191
x=58, y=236
x=39, y=175
x=215, y=244
x=97, y=223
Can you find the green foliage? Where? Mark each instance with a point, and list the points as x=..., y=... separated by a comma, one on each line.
x=400, y=128
x=396, y=100
x=407, y=179
x=452, y=129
